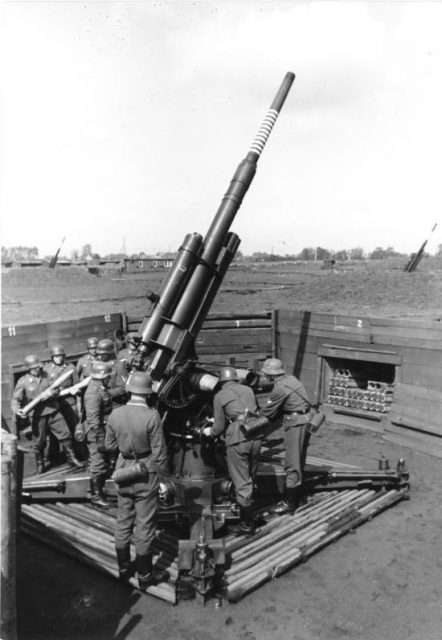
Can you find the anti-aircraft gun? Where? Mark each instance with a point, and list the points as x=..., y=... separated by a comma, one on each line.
x=197, y=491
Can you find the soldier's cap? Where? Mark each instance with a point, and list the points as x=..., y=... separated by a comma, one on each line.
x=139, y=382
x=32, y=362
x=100, y=370
x=57, y=350
x=272, y=367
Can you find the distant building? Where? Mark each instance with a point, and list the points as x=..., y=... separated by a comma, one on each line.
x=26, y=263
x=140, y=265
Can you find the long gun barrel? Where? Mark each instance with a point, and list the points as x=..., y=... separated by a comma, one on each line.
x=188, y=292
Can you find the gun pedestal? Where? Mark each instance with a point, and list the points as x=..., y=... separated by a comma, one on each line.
x=167, y=351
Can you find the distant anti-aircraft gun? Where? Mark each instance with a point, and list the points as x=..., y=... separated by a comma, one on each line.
x=197, y=491
x=53, y=262
x=415, y=258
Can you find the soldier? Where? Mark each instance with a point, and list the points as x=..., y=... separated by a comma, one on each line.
x=136, y=431
x=98, y=406
x=84, y=364
x=230, y=405
x=57, y=366
x=288, y=400
x=46, y=417
x=118, y=377
x=127, y=355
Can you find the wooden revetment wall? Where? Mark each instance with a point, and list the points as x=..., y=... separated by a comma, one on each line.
x=380, y=374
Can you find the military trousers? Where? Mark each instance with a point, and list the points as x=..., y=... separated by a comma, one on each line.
x=295, y=442
x=136, y=513
x=98, y=460
x=242, y=462
x=69, y=410
x=46, y=424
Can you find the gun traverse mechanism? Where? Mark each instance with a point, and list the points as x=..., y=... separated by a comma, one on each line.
x=197, y=491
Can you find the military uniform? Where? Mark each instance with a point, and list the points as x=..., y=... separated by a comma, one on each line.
x=230, y=405
x=46, y=417
x=98, y=407
x=288, y=400
x=68, y=404
x=84, y=366
x=136, y=429
x=117, y=384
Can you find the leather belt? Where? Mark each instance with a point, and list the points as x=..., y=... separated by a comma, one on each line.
x=130, y=456
x=297, y=413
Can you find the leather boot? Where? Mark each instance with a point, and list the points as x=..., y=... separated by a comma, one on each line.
x=290, y=502
x=68, y=448
x=124, y=564
x=145, y=573
x=97, y=495
x=246, y=525
x=39, y=458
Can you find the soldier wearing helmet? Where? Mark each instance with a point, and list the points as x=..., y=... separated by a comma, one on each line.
x=127, y=355
x=135, y=429
x=231, y=404
x=84, y=363
x=289, y=402
x=117, y=381
x=98, y=406
x=46, y=417
x=54, y=369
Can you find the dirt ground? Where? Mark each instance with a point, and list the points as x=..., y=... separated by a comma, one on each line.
x=382, y=582
x=370, y=288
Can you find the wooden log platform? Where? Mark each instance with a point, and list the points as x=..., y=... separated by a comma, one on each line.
x=86, y=534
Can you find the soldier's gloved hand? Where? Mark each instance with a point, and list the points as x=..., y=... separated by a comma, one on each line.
x=20, y=413
x=207, y=431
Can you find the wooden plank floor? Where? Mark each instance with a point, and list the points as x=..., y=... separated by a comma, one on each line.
x=86, y=533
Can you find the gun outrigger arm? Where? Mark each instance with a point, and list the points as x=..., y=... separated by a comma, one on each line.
x=168, y=335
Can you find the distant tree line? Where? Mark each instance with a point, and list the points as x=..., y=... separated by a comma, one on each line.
x=86, y=254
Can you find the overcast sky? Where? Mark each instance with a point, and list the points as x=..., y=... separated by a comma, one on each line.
x=123, y=123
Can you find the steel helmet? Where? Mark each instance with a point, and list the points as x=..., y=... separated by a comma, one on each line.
x=92, y=343
x=227, y=373
x=57, y=350
x=106, y=346
x=272, y=367
x=133, y=338
x=100, y=370
x=139, y=382
x=32, y=362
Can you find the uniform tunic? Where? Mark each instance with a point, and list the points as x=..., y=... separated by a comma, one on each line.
x=136, y=429
x=46, y=416
x=84, y=366
x=117, y=383
x=288, y=400
x=98, y=406
x=229, y=405
x=68, y=404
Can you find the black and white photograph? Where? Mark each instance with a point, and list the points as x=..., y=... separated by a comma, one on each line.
x=221, y=295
